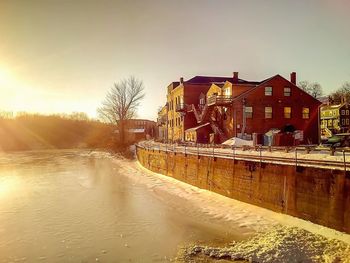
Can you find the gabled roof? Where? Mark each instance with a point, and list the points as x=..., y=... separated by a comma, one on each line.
x=244, y=94
x=210, y=79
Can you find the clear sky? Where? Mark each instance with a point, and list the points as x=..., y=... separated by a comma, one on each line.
x=63, y=55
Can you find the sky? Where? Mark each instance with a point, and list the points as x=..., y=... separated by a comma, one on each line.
x=64, y=55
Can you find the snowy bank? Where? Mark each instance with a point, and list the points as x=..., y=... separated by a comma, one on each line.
x=280, y=244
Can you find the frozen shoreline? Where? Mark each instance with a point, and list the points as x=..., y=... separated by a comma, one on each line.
x=253, y=223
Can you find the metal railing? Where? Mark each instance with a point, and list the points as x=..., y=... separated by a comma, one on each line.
x=261, y=154
x=181, y=107
x=220, y=100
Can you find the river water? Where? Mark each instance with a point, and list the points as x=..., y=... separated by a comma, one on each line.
x=78, y=206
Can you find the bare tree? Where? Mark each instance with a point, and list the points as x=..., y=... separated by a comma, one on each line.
x=121, y=103
x=6, y=115
x=343, y=93
x=304, y=85
x=314, y=89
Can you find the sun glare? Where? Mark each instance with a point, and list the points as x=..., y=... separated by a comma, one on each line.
x=4, y=76
x=8, y=185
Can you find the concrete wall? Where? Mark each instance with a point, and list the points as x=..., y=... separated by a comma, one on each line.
x=319, y=195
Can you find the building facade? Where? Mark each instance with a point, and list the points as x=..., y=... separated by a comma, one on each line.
x=225, y=107
x=139, y=129
x=162, y=123
x=335, y=119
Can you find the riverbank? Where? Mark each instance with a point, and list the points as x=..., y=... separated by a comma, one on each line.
x=267, y=233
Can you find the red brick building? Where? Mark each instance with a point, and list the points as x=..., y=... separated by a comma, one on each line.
x=236, y=107
x=276, y=103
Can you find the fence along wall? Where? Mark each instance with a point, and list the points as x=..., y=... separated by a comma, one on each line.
x=319, y=195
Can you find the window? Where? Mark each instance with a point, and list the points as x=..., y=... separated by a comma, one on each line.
x=227, y=91
x=268, y=91
x=268, y=112
x=306, y=113
x=347, y=112
x=287, y=112
x=347, y=121
x=324, y=123
x=249, y=112
x=342, y=121
x=330, y=123
x=342, y=112
x=287, y=91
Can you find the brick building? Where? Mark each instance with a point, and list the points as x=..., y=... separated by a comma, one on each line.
x=276, y=103
x=224, y=107
x=139, y=129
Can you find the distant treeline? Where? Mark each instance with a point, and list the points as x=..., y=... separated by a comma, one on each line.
x=34, y=131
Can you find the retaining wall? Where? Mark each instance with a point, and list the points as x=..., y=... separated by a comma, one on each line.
x=316, y=194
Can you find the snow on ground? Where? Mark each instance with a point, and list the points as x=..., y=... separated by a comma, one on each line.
x=237, y=142
x=292, y=157
x=280, y=244
x=274, y=237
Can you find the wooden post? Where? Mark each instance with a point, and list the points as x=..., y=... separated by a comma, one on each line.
x=260, y=158
x=344, y=162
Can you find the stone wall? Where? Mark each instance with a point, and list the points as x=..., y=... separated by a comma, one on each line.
x=319, y=195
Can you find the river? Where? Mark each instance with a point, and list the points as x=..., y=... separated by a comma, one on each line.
x=80, y=206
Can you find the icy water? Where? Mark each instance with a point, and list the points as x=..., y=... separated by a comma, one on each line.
x=74, y=206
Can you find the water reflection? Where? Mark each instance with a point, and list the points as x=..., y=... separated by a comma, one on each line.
x=71, y=206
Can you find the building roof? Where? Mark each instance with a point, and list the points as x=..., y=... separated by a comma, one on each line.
x=211, y=79
x=332, y=107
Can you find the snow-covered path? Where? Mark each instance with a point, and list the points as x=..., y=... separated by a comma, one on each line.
x=295, y=156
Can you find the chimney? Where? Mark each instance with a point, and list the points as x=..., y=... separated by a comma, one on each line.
x=181, y=80
x=293, y=78
x=235, y=76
